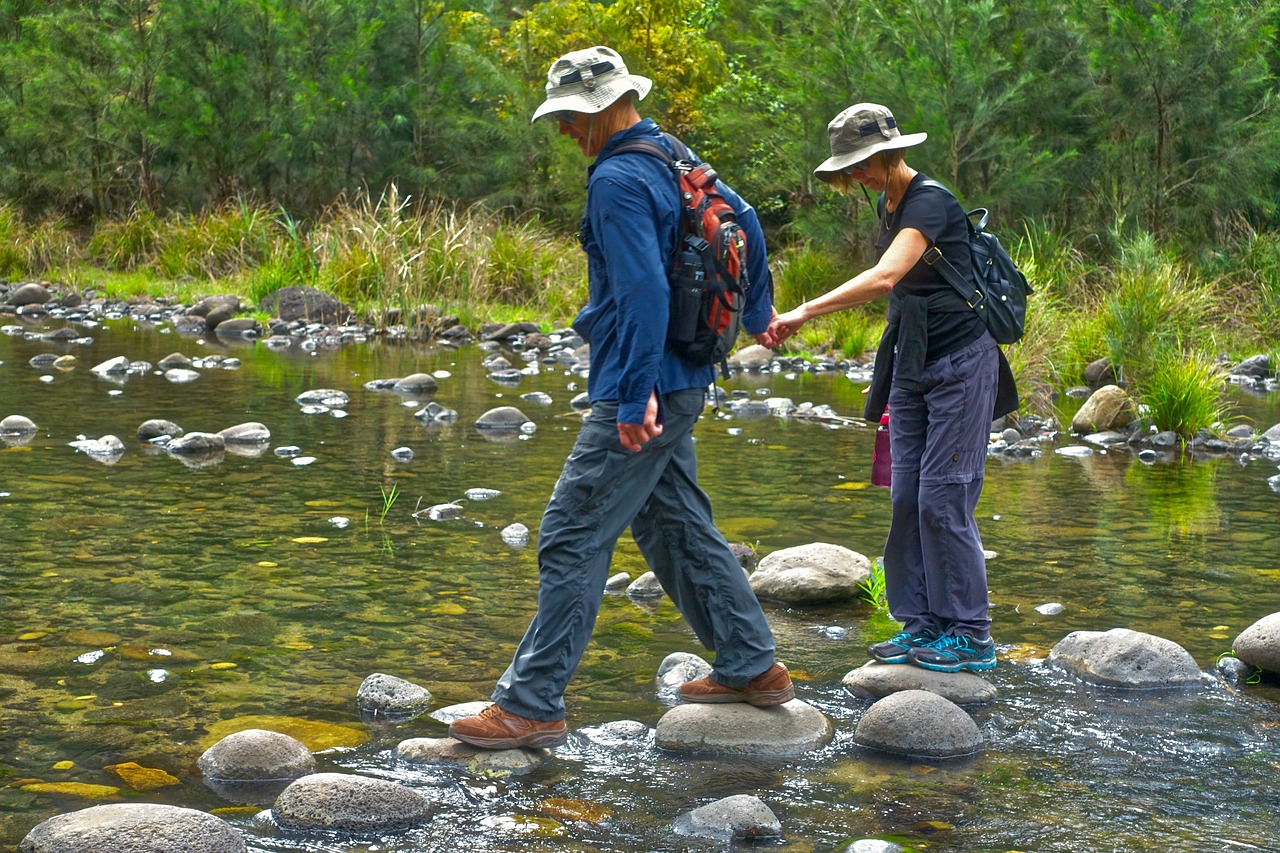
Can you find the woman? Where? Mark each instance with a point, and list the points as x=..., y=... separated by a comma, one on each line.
x=943, y=378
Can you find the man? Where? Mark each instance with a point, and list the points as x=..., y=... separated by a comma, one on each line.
x=633, y=462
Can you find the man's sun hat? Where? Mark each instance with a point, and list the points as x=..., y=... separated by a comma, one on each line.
x=587, y=81
x=860, y=131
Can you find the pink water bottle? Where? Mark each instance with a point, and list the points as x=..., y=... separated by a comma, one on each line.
x=881, y=461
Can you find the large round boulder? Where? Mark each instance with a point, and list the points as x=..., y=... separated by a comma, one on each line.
x=1124, y=658
x=811, y=574
x=256, y=755
x=1259, y=644
x=918, y=723
x=1108, y=408
x=788, y=729
x=301, y=302
x=336, y=802
x=133, y=828
x=30, y=294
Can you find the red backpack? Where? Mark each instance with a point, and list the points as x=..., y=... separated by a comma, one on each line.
x=709, y=274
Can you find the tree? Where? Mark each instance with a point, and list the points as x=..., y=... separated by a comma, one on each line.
x=1185, y=108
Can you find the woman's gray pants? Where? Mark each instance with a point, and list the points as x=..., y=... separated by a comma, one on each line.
x=935, y=572
x=603, y=489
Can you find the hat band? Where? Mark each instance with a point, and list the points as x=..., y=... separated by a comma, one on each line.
x=881, y=127
x=586, y=76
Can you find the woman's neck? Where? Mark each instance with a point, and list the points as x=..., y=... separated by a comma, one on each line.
x=895, y=185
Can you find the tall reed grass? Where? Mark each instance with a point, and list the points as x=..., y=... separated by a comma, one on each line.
x=33, y=249
x=1184, y=393
x=1155, y=308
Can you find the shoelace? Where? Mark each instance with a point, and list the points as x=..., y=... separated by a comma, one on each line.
x=946, y=641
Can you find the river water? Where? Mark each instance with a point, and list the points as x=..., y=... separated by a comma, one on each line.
x=146, y=603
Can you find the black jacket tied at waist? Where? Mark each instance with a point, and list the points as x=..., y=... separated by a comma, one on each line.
x=905, y=344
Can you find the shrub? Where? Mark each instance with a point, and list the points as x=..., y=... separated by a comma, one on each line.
x=1183, y=393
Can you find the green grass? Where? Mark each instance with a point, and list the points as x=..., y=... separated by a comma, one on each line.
x=1184, y=393
x=1155, y=307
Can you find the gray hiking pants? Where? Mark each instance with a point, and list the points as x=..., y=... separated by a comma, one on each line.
x=603, y=489
x=935, y=573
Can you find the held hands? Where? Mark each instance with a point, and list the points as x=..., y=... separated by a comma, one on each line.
x=633, y=436
x=783, y=326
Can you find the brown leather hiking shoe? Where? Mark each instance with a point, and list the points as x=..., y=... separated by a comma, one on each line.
x=494, y=728
x=771, y=687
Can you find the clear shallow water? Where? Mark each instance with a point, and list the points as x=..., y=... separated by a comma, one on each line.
x=206, y=564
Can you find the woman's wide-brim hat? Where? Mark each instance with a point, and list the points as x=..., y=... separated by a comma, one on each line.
x=587, y=81
x=860, y=131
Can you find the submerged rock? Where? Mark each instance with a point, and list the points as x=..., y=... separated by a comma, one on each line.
x=246, y=433
x=382, y=695
x=133, y=828
x=196, y=443
x=157, y=427
x=328, y=397
x=503, y=418
x=516, y=535
x=416, y=383
x=106, y=446
x=738, y=818
x=118, y=366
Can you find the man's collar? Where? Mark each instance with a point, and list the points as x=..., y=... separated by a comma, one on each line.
x=644, y=127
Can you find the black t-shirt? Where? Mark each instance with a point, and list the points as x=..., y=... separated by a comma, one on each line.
x=938, y=216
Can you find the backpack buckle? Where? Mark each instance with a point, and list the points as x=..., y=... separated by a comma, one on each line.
x=931, y=255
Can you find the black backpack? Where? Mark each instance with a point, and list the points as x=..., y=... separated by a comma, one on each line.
x=994, y=288
x=709, y=273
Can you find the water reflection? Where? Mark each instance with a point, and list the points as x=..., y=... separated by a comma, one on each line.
x=237, y=567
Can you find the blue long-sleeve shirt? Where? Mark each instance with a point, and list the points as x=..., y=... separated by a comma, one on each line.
x=629, y=232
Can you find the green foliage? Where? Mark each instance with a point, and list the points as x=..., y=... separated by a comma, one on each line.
x=872, y=590
x=1184, y=393
x=1152, y=302
x=28, y=249
x=804, y=272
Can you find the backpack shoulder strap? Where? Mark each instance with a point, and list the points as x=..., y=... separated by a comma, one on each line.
x=648, y=146
x=933, y=257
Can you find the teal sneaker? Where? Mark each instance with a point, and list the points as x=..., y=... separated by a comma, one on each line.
x=896, y=649
x=955, y=653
